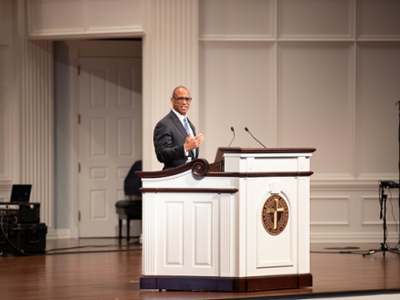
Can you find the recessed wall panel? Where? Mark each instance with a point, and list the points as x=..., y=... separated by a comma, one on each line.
x=69, y=15
x=237, y=87
x=378, y=118
x=378, y=19
x=329, y=210
x=315, y=103
x=98, y=204
x=203, y=234
x=125, y=137
x=98, y=88
x=230, y=18
x=98, y=137
x=372, y=209
x=315, y=19
x=110, y=13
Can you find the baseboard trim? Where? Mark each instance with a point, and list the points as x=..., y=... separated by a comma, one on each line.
x=56, y=234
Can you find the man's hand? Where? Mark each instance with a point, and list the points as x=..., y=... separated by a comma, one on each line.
x=193, y=143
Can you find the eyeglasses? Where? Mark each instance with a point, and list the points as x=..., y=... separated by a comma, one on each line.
x=180, y=99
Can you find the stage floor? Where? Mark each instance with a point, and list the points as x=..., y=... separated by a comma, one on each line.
x=84, y=273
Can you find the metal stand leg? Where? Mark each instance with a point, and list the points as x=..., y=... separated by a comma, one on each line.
x=128, y=225
x=384, y=247
x=120, y=228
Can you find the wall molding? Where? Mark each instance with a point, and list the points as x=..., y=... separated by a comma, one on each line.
x=345, y=185
x=58, y=234
x=108, y=32
x=352, y=237
x=237, y=38
x=84, y=24
x=390, y=201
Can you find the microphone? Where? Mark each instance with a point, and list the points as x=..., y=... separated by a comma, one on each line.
x=233, y=130
x=220, y=162
x=253, y=136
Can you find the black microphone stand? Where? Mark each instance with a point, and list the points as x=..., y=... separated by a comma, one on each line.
x=382, y=201
x=222, y=159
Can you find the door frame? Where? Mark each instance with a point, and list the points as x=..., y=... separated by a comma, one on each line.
x=77, y=49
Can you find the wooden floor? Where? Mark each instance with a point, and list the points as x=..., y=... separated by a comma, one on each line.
x=82, y=274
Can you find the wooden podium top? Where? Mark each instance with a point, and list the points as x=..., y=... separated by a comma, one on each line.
x=201, y=167
x=222, y=150
x=265, y=150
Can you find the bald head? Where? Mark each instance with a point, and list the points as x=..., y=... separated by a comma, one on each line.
x=178, y=88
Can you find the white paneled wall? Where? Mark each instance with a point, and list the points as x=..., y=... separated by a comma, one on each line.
x=26, y=110
x=37, y=131
x=310, y=73
x=315, y=73
x=37, y=124
x=8, y=107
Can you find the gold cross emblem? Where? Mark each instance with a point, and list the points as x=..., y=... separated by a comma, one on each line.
x=275, y=210
x=275, y=214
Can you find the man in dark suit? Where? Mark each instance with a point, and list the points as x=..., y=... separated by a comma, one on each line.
x=175, y=139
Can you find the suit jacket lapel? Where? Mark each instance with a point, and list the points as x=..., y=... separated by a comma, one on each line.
x=182, y=129
x=178, y=124
x=194, y=132
x=192, y=127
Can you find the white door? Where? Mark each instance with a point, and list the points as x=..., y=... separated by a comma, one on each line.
x=110, y=138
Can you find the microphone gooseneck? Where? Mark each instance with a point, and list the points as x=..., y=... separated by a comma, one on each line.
x=233, y=130
x=220, y=162
x=254, y=137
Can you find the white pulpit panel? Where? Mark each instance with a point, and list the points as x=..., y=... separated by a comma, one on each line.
x=202, y=237
x=275, y=254
x=173, y=224
x=187, y=229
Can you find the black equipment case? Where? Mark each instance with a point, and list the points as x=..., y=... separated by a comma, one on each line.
x=19, y=212
x=28, y=238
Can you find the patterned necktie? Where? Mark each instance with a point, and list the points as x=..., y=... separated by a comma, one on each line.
x=192, y=153
x=185, y=122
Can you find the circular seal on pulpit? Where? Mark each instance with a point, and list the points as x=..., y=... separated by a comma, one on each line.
x=275, y=214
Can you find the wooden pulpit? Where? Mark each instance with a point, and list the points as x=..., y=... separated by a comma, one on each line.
x=239, y=224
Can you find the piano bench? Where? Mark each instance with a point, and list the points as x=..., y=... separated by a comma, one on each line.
x=128, y=210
